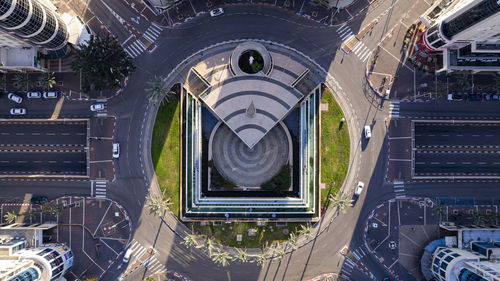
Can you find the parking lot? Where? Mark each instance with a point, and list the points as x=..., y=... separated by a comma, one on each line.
x=458, y=148
x=43, y=147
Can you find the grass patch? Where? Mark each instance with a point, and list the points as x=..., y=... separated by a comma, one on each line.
x=335, y=146
x=226, y=233
x=281, y=182
x=165, y=151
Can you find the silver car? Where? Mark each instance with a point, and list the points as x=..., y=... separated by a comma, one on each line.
x=18, y=111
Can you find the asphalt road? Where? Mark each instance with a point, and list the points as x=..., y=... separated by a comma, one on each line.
x=457, y=162
x=51, y=162
x=42, y=134
x=478, y=134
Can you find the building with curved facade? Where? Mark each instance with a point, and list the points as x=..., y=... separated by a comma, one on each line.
x=33, y=22
x=467, y=32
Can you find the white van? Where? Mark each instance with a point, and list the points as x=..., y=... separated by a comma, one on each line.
x=127, y=255
x=368, y=132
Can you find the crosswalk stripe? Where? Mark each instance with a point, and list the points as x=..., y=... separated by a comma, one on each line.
x=134, y=48
x=360, y=49
x=101, y=182
x=151, y=34
x=345, y=36
x=131, y=50
x=341, y=27
x=344, y=32
x=136, y=43
x=365, y=57
x=153, y=31
x=357, y=46
x=142, y=45
x=141, y=251
x=148, y=38
x=363, y=53
x=100, y=196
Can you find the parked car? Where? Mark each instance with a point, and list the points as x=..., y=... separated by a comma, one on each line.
x=475, y=97
x=39, y=199
x=495, y=97
x=50, y=95
x=487, y=96
x=368, y=132
x=216, y=12
x=127, y=255
x=97, y=107
x=455, y=97
x=34, y=95
x=18, y=111
x=359, y=188
x=116, y=150
x=15, y=98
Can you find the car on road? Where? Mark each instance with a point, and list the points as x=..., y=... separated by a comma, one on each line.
x=495, y=97
x=359, y=188
x=475, y=97
x=368, y=132
x=18, y=111
x=455, y=97
x=97, y=107
x=216, y=12
x=39, y=199
x=15, y=98
x=127, y=255
x=116, y=150
x=34, y=95
x=50, y=95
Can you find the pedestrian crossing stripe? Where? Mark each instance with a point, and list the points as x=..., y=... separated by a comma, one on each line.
x=394, y=109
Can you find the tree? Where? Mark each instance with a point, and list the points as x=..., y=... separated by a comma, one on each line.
x=261, y=258
x=439, y=211
x=221, y=257
x=322, y=3
x=10, y=217
x=242, y=255
x=150, y=279
x=190, y=240
x=208, y=246
x=306, y=231
x=156, y=90
x=464, y=81
x=292, y=241
x=157, y=205
x=103, y=64
x=497, y=82
x=21, y=79
x=341, y=202
x=47, y=80
x=52, y=209
x=278, y=252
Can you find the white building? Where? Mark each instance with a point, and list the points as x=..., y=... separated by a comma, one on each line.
x=467, y=32
x=44, y=263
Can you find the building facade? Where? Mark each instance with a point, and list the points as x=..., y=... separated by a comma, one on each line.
x=467, y=32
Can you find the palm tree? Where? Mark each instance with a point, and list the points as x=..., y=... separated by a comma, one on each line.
x=157, y=89
x=190, y=240
x=479, y=219
x=208, y=245
x=221, y=257
x=439, y=210
x=10, y=217
x=242, y=255
x=21, y=79
x=278, y=252
x=306, y=231
x=47, y=80
x=157, y=205
x=341, y=202
x=464, y=81
x=261, y=258
x=292, y=241
x=497, y=82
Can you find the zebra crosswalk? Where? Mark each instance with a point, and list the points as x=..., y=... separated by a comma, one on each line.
x=99, y=189
x=152, y=33
x=344, y=31
x=399, y=189
x=394, y=108
x=135, y=48
x=152, y=264
x=362, y=51
x=360, y=252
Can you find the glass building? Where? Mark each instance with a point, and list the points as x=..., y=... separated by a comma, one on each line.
x=31, y=21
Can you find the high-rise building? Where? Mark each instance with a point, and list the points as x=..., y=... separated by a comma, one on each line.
x=44, y=263
x=467, y=32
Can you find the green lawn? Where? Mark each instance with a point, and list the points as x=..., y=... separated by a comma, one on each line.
x=335, y=146
x=165, y=151
x=226, y=233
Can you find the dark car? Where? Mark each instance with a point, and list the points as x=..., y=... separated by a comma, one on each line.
x=475, y=97
x=39, y=200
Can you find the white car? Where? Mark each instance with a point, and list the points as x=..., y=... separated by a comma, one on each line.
x=116, y=150
x=216, y=12
x=14, y=98
x=50, y=95
x=359, y=188
x=97, y=107
x=18, y=111
x=127, y=255
x=368, y=132
x=34, y=95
